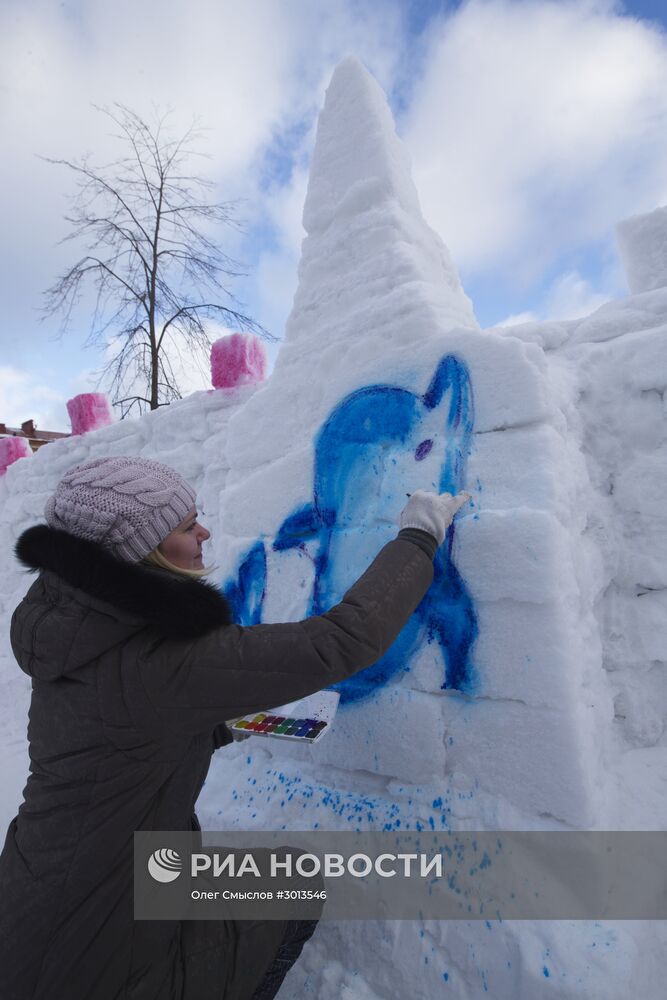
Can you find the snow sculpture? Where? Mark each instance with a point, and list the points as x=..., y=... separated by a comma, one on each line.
x=89, y=411
x=11, y=449
x=238, y=359
x=321, y=459
x=642, y=241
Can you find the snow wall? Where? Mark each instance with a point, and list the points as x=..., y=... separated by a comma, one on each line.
x=530, y=690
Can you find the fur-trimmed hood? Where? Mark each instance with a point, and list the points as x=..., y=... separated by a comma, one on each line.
x=179, y=607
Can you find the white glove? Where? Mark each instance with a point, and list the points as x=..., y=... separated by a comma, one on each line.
x=432, y=512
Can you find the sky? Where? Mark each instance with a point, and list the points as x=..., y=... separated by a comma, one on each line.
x=533, y=126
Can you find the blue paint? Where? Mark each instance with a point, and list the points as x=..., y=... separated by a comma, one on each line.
x=351, y=456
x=245, y=594
x=545, y=972
x=445, y=976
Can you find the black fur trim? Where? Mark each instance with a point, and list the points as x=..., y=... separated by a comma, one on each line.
x=181, y=607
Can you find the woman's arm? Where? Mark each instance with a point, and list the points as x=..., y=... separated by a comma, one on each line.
x=232, y=671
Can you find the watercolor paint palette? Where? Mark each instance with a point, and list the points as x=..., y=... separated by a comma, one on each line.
x=304, y=721
x=263, y=724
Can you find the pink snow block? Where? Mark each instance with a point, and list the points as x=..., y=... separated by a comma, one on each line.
x=88, y=412
x=239, y=359
x=11, y=449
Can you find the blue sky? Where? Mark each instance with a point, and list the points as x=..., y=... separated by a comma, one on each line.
x=533, y=126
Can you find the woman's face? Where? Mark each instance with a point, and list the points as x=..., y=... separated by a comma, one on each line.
x=183, y=546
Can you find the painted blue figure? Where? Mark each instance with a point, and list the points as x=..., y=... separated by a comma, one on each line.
x=364, y=455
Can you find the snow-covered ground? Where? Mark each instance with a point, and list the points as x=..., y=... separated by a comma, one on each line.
x=552, y=714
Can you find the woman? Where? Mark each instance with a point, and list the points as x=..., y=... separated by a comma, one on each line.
x=135, y=667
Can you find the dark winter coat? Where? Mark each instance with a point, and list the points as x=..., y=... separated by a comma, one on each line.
x=134, y=671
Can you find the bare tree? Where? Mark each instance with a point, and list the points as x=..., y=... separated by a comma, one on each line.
x=151, y=256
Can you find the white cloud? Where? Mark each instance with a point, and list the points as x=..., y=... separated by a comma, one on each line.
x=247, y=71
x=285, y=208
x=535, y=127
x=23, y=396
x=275, y=277
x=570, y=296
x=516, y=318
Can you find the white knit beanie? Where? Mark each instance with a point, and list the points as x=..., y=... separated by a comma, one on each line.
x=126, y=504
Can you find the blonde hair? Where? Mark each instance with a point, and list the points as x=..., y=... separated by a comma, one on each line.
x=155, y=558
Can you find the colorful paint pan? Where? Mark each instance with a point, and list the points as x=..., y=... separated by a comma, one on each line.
x=280, y=727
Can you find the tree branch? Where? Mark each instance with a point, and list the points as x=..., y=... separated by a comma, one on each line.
x=153, y=257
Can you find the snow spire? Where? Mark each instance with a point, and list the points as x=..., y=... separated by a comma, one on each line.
x=369, y=255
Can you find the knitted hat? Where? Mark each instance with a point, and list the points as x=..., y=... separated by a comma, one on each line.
x=126, y=504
